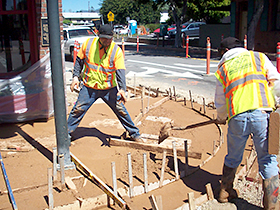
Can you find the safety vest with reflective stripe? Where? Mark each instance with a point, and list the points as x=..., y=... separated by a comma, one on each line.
x=244, y=82
x=99, y=73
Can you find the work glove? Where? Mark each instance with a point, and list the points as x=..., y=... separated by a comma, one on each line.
x=75, y=82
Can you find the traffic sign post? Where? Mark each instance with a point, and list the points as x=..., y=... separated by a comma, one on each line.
x=110, y=17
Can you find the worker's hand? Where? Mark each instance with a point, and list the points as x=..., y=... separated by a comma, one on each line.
x=122, y=94
x=221, y=121
x=75, y=82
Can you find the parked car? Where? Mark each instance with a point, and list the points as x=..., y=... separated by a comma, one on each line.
x=76, y=33
x=192, y=29
x=119, y=29
x=157, y=31
x=188, y=28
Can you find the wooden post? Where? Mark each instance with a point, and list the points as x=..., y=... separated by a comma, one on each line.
x=174, y=93
x=185, y=103
x=204, y=107
x=191, y=98
x=153, y=202
x=175, y=160
x=131, y=194
x=162, y=168
x=114, y=178
x=145, y=173
x=62, y=173
x=142, y=100
x=186, y=157
x=54, y=163
x=191, y=201
x=209, y=192
x=50, y=186
x=159, y=202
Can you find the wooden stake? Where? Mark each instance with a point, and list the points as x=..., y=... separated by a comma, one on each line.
x=153, y=202
x=62, y=173
x=191, y=98
x=159, y=202
x=185, y=103
x=131, y=194
x=114, y=178
x=175, y=160
x=209, y=192
x=50, y=186
x=174, y=93
x=186, y=157
x=214, y=147
x=204, y=108
x=162, y=168
x=145, y=173
x=54, y=164
x=191, y=201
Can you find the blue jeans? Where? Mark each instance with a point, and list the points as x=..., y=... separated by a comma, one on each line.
x=239, y=128
x=88, y=96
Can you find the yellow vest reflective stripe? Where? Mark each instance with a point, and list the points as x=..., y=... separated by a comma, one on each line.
x=244, y=82
x=99, y=73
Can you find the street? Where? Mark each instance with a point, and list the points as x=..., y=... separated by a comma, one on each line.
x=164, y=72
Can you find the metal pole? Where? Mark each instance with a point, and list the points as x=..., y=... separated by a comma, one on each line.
x=63, y=142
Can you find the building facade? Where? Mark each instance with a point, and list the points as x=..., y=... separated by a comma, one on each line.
x=267, y=33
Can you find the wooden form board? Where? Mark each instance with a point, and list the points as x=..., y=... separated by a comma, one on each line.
x=151, y=144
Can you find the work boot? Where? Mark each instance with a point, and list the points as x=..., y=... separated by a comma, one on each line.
x=138, y=139
x=227, y=192
x=271, y=190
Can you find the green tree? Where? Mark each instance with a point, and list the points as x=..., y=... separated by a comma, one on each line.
x=143, y=13
x=183, y=10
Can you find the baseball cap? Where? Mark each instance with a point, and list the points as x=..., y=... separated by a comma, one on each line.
x=230, y=42
x=106, y=31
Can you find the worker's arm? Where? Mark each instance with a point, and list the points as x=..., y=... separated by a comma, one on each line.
x=220, y=103
x=76, y=73
x=120, y=74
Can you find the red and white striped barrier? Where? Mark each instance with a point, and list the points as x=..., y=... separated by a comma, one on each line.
x=245, y=41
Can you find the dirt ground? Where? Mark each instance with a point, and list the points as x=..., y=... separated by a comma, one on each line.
x=27, y=149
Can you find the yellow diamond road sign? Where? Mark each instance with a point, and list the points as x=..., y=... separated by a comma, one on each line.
x=110, y=16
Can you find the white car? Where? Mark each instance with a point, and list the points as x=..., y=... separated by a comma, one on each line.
x=76, y=33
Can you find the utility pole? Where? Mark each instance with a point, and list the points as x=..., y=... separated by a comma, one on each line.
x=62, y=140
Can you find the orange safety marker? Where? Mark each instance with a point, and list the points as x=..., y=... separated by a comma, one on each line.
x=208, y=56
x=137, y=43
x=123, y=46
x=245, y=41
x=187, y=47
x=278, y=57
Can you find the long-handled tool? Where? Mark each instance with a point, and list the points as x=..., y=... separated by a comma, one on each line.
x=8, y=184
x=164, y=131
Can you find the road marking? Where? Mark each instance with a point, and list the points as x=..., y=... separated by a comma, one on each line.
x=168, y=73
x=196, y=66
x=168, y=66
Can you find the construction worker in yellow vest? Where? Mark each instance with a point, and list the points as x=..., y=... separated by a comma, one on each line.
x=100, y=66
x=246, y=81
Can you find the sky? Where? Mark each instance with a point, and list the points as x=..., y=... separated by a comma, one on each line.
x=77, y=5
